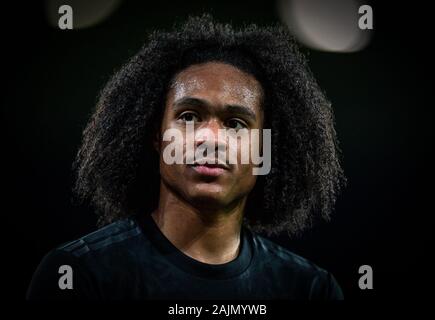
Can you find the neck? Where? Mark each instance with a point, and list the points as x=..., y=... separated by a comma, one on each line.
x=210, y=236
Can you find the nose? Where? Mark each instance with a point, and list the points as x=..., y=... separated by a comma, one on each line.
x=211, y=133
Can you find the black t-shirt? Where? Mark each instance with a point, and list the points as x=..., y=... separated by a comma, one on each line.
x=132, y=259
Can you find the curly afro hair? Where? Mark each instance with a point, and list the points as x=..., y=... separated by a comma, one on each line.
x=114, y=161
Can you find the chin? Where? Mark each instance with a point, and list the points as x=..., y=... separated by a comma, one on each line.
x=208, y=195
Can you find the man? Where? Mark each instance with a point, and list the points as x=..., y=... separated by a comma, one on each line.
x=200, y=239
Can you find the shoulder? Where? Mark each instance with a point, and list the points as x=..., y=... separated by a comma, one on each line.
x=122, y=233
x=92, y=256
x=273, y=252
x=316, y=281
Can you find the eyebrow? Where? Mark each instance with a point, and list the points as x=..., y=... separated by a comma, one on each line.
x=230, y=108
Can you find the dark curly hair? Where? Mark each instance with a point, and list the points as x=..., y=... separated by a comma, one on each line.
x=113, y=164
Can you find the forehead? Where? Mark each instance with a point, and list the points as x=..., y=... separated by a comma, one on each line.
x=217, y=80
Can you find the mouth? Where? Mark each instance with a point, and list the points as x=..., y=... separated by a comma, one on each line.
x=210, y=169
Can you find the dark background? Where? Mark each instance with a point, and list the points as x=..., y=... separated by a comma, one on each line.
x=381, y=97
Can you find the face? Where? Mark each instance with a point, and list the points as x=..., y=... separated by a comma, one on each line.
x=211, y=96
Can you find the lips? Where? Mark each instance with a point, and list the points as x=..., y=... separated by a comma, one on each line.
x=210, y=169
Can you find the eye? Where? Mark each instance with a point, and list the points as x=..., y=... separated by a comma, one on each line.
x=189, y=116
x=236, y=124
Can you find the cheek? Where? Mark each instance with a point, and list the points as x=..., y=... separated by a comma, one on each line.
x=172, y=173
x=172, y=146
x=169, y=170
x=245, y=178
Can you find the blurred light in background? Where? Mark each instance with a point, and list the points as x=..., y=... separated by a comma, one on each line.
x=326, y=25
x=86, y=13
